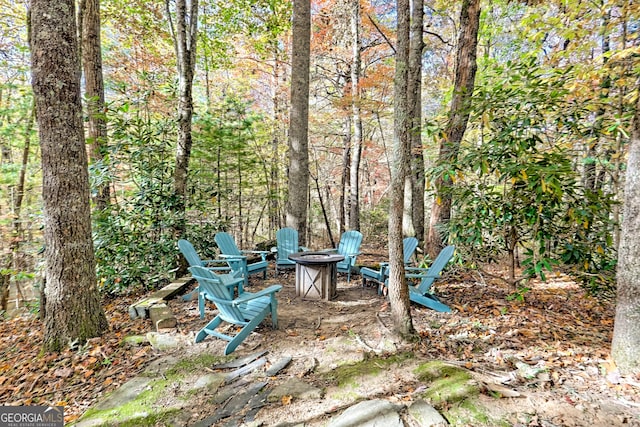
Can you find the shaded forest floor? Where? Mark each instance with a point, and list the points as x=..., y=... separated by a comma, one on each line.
x=551, y=349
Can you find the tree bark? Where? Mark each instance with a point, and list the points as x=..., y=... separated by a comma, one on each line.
x=625, y=347
x=356, y=152
x=185, y=34
x=94, y=93
x=73, y=311
x=398, y=290
x=299, y=120
x=458, y=117
x=414, y=97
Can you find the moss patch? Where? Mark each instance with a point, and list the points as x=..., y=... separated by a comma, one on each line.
x=447, y=384
x=146, y=409
x=348, y=374
x=454, y=391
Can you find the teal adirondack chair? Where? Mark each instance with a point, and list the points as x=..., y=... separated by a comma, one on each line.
x=248, y=310
x=421, y=293
x=409, y=245
x=286, y=244
x=192, y=257
x=349, y=247
x=237, y=259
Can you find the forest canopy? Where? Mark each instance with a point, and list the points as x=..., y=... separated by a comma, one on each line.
x=537, y=181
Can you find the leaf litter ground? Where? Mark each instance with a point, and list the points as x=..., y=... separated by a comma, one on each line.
x=543, y=361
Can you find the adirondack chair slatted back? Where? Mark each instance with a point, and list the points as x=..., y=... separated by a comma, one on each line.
x=189, y=252
x=287, y=241
x=435, y=269
x=226, y=244
x=409, y=245
x=219, y=294
x=349, y=247
x=350, y=242
x=237, y=258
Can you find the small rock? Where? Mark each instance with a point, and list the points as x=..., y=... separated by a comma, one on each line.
x=424, y=415
x=370, y=413
x=295, y=388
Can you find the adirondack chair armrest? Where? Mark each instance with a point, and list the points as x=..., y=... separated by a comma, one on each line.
x=351, y=258
x=232, y=257
x=231, y=279
x=248, y=296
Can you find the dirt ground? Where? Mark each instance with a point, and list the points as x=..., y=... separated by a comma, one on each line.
x=550, y=351
x=558, y=334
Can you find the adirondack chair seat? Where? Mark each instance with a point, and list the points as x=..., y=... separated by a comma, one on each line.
x=371, y=274
x=247, y=310
x=409, y=245
x=237, y=258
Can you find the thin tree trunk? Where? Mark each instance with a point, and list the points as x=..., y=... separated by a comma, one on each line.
x=458, y=117
x=299, y=120
x=73, y=310
x=398, y=290
x=94, y=93
x=274, y=207
x=356, y=152
x=185, y=33
x=414, y=97
x=345, y=177
x=625, y=347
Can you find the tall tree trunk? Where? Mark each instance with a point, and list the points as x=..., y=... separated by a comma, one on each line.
x=414, y=98
x=274, y=175
x=185, y=34
x=398, y=290
x=458, y=117
x=625, y=347
x=356, y=152
x=299, y=120
x=94, y=93
x=73, y=310
x=345, y=199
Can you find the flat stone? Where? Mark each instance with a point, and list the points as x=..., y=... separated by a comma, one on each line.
x=162, y=341
x=162, y=317
x=210, y=382
x=278, y=366
x=295, y=388
x=125, y=393
x=370, y=413
x=141, y=308
x=422, y=414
